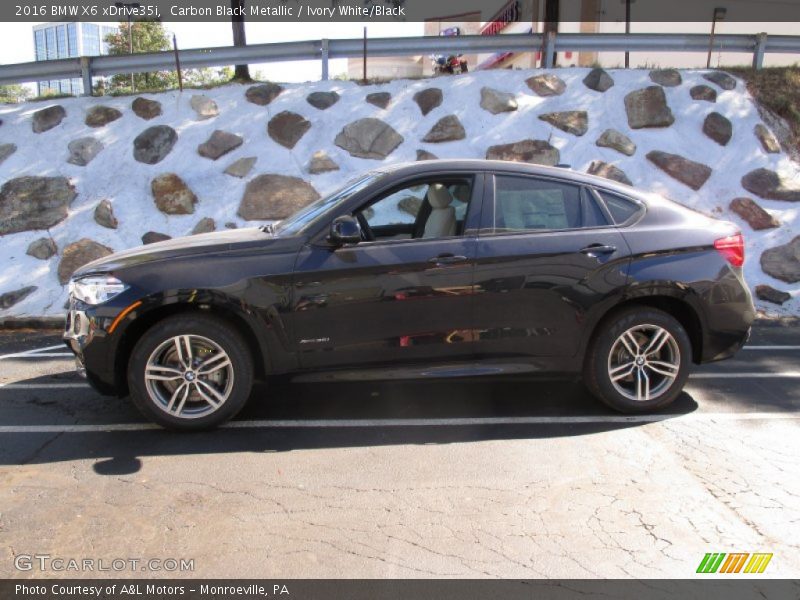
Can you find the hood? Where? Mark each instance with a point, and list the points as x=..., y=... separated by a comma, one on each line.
x=204, y=243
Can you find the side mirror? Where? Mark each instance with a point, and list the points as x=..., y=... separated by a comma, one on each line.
x=345, y=230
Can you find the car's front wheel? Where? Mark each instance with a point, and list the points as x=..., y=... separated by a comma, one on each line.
x=639, y=360
x=190, y=372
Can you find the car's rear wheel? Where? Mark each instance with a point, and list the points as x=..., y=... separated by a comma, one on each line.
x=190, y=372
x=639, y=360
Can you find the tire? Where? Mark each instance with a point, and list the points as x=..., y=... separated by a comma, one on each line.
x=620, y=372
x=210, y=392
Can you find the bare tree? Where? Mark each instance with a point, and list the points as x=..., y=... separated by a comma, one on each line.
x=242, y=72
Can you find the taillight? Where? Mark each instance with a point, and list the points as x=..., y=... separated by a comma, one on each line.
x=732, y=248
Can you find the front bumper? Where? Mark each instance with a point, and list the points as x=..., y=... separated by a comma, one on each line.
x=93, y=347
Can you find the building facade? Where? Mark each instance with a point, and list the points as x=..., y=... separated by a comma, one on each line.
x=52, y=41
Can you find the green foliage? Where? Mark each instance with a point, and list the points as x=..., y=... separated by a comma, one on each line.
x=777, y=89
x=148, y=36
x=207, y=77
x=12, y=94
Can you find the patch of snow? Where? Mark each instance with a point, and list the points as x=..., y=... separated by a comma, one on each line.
x=116, y=176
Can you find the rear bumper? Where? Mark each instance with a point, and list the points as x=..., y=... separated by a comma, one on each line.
x=729, y=316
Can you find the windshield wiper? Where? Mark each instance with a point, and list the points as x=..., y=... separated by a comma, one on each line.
x=268, y=228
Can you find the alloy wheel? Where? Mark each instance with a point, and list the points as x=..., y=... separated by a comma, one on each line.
x=644, y=362
x=189, y=376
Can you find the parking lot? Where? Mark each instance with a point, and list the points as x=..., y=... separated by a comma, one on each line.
x=456, y=478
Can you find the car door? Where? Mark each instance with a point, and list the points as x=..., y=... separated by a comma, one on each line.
x=546, y=255
x=403, y=297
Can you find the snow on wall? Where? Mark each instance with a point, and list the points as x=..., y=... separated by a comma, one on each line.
x=116, y=176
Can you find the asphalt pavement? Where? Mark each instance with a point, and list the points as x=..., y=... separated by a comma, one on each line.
x=456, y=478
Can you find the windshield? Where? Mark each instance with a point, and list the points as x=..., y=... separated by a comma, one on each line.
x=299, y=220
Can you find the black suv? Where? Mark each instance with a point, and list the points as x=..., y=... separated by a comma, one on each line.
x=430, y=269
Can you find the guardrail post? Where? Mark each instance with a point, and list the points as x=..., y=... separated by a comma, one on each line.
x=86, y=75
x=325, y=59
x=758, y=51
x=549, y=49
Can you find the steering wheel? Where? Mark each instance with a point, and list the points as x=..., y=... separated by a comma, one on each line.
x=366, y=230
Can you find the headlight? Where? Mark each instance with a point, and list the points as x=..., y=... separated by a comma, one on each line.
x=96, y=289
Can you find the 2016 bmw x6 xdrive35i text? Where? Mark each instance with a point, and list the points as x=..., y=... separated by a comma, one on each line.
x=431, y=269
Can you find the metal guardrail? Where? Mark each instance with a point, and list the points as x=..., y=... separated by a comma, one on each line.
x=324, y=50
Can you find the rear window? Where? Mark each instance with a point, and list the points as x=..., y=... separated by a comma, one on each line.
x=621, y=209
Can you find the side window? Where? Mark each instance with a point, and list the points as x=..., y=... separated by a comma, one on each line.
x=434, y=208
x=526, y=203
x=621, y=209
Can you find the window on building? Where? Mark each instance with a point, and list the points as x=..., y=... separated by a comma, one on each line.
x=61, y=40
x=91, y=39
x=72, y=38
x=39, y=44
x=50, y=36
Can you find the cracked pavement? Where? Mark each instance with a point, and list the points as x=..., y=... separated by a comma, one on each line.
x=561, y=499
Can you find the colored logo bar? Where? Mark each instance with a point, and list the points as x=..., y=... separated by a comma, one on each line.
x=735, y=562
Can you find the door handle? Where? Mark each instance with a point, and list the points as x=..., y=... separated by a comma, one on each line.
x=447, y=259
x=598, y=249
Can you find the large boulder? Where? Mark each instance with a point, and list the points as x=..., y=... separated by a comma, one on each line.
x=609, y=171
x=764, y=135
x=146, y=109
x=703, y=92
x=537, y=152
x=28, y=203
x=410, y=205
x=718, y=128
x=204, y=225
x=287, y=128
x=546, y=84
x=6, y=150
x=77, y=254
x=425, y=155
x=47, y=118
x=428, y=99
x=648, y=108
x=9, y=299
x=99, y=116
x=368, y=138
x=218, y=144
x=446, y=129
x=770, y=294
x=666, y=77
x=611, y=138
x=83, y=150
x=496, y=101
x=263, y=93
x=688, y=172
x=598, y=80
x=751, y=212
x=322, y=100
x=172, y=196
x=204, y=107
x=321, y=163
x=783, y=262
x=271, y=196
x=152, y=237
x=104, y=215
x=241, y=167
x=379, y=99
x=768, y=184
x=723, y=80
x=154, y=143
x=575, y=122
x=43, y=248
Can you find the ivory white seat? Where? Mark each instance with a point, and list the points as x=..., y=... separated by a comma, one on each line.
x=442, y=220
